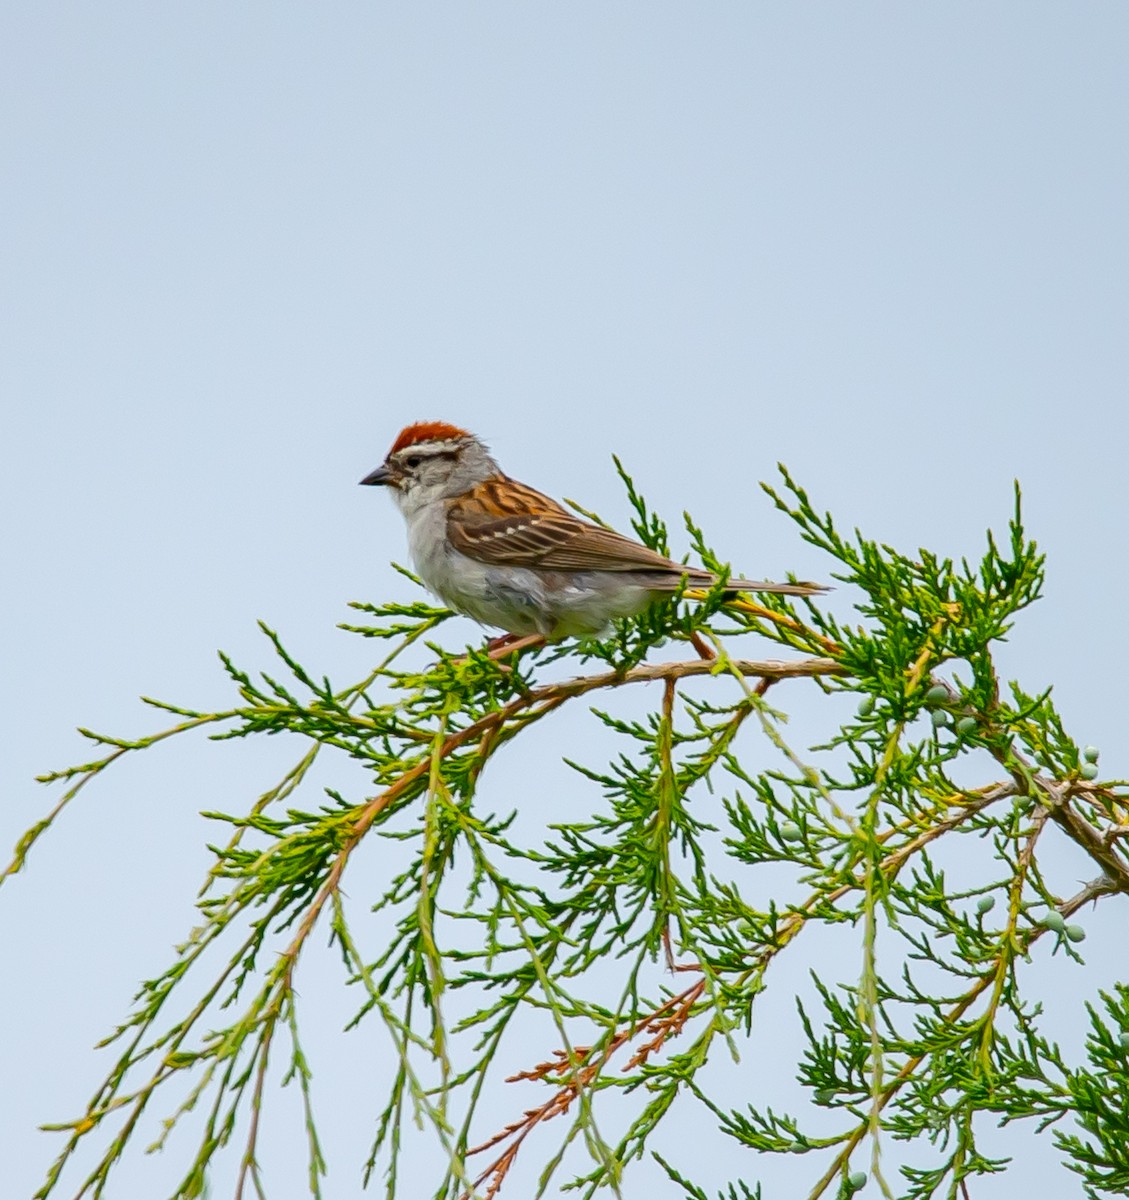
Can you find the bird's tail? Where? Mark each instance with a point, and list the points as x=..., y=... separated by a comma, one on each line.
x=782, y=589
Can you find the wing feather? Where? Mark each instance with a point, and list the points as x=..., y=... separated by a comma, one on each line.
x=502, y=522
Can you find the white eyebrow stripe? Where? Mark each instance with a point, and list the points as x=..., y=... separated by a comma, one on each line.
x=428, y=448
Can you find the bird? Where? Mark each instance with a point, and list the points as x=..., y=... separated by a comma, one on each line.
x=509, y=557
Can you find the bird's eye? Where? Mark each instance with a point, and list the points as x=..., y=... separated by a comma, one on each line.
x=413, y=460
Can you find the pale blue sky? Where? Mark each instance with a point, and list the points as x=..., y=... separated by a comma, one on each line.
x=882, y=242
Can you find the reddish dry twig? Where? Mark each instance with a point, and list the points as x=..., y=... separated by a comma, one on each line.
x=580, y=1069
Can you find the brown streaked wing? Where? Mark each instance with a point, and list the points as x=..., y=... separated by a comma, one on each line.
x=537, y=532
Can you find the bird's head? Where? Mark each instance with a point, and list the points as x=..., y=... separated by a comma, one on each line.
x=431, y=461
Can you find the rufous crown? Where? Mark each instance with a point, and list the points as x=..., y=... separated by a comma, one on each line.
x=427, y=431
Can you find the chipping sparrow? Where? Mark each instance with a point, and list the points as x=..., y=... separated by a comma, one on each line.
x=508, y=556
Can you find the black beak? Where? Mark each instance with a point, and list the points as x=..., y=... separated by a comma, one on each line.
x=382, y=475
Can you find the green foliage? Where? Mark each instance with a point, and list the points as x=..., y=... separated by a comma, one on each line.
x=1100, y=1101
x=942, y=887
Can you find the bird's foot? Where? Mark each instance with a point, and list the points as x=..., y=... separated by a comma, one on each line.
x=506, y=644
x=510, y=643
x=703, y=650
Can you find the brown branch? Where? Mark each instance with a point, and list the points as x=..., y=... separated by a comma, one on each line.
x=249, y=1164
x=1098, y=846
x=1056, y=796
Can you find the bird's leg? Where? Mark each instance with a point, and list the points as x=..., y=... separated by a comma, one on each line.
x=510, y=643
x=499, y=642
x=506, y=644
x=703, y=650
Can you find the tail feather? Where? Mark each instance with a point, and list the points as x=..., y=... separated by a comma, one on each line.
x=668, y=581
x=782, y=589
